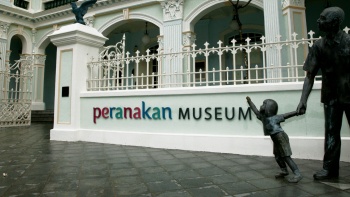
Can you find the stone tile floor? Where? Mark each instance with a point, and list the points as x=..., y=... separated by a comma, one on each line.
x=36, y=166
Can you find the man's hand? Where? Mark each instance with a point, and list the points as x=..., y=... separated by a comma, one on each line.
x=301, y=108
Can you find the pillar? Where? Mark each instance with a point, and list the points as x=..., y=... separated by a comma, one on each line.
x=38, y=81
x=3, y=53
x=3, y=43
x=189, y=39
x=160, y=40
x=295, y=28
x=273, y=30
x=76, y=45
x=172, y=16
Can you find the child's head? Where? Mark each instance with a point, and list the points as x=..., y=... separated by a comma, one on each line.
x=269, y=107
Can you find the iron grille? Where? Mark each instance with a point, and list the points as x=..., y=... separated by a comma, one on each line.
x=21, y=3
x=57, y=3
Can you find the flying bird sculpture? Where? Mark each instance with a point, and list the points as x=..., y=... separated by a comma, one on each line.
x=81, y=10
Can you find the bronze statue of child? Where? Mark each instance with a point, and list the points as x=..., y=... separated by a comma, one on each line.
x=281, y=147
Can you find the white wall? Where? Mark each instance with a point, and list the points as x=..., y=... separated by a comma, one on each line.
x=229, y=136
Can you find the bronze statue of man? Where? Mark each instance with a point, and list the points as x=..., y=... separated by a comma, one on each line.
x=331, y=54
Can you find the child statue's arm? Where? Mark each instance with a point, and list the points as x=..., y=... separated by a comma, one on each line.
x=290, y=114
x=252, y=106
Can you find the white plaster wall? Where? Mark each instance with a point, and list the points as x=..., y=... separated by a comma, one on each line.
x=236, y=136
x=5, y=2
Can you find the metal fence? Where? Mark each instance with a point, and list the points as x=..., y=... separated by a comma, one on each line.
x=251, y=63
x=16, y=93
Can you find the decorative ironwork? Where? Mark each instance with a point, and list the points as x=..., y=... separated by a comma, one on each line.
x=16, y=93
x=57, y=3
x=113, y=70
x=111, y=64
x=21, y=3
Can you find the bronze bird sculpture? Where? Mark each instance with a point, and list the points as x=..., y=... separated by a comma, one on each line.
x=81, y=10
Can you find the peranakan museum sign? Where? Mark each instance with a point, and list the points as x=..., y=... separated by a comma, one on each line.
x=146, y=112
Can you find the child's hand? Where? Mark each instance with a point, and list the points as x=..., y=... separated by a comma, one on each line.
x=248, y=98
x=296, y=113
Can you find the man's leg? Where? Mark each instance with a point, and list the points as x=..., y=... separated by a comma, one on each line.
x=332, y=144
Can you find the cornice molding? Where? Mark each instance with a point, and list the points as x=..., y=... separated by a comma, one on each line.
x=293, y=3
x=63, y=14
x=77, y=33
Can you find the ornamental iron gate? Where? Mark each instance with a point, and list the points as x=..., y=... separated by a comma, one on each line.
x=16, y=93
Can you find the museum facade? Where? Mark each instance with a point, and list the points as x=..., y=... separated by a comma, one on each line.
x=165, y=73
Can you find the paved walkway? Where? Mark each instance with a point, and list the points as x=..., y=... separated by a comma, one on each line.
x=36, y=166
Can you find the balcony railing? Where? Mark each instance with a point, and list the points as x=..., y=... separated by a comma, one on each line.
x=21, y=3
x=57, y=3
x=223, y=66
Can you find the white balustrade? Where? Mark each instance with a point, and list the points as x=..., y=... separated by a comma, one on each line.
x=112, y=71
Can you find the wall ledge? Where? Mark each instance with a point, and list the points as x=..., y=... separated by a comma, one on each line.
x=297, y=86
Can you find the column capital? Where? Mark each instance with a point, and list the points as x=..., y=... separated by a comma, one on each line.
x=4, y=26
x=77, y=34
x=160, y=42
x=172, y=9
x=293, y=3
x=188, y=38
x=89, y=21
x=39, y=59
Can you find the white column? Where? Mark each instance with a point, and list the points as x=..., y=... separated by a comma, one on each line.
x=273, y=31
x=294, y=17
x=295, y=28
x=161, y=62
x=38, y=76
x=172, y=16
x=3, y=45
x=76, y=45
x=3, y=42
x=38, y=82
x=3, y=53
x=189, y=39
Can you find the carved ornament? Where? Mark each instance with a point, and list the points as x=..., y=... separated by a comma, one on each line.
x=172, y=9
